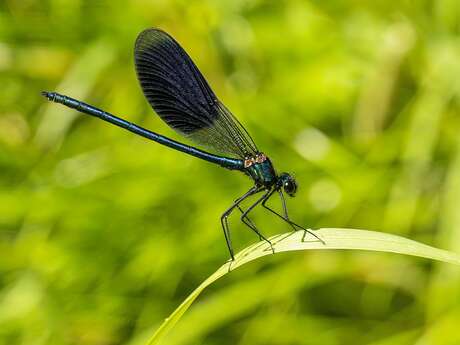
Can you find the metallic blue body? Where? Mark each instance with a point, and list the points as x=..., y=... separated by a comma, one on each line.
x=259, y=168
x=263, y=174
x=226, y=162
x=181, y=96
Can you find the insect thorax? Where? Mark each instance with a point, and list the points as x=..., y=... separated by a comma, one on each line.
x=261, y=169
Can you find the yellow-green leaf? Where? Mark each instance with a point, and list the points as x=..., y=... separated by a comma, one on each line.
x=333, y=239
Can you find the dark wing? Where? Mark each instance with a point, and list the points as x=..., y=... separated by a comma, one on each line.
x=180, y=95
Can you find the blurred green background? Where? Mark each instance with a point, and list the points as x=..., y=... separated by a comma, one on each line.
x=103, y=234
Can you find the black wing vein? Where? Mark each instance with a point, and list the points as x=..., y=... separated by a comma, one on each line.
x=180, y=95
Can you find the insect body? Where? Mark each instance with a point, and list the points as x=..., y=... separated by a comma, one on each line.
x=180, y=95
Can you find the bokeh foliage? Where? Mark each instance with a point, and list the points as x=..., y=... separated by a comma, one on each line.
x=102, y=234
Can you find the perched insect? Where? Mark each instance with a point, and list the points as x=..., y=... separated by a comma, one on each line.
x=181, y=96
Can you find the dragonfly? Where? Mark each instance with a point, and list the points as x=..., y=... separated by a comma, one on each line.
x=181, y=96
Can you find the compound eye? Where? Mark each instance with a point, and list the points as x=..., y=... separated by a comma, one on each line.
x=290, y=187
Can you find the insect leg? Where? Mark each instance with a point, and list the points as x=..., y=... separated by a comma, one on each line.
x=244, y=218
x=224, y=218
x=248, y=219
x=288, y=220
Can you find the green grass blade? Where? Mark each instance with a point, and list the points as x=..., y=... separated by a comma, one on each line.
x=334, y=239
